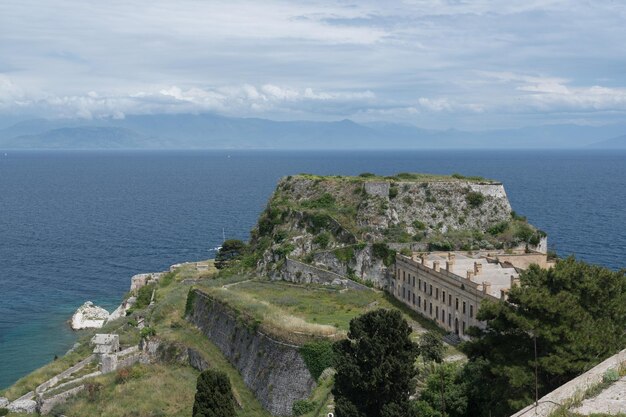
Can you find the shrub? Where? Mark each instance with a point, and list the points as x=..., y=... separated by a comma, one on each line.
x=93, y=391
x=4, y=411
x=122, y=376
x=301, y=407
x=382, y=251
x=498, y=228
x=191, y=297
x=284, y=250
x=407, y=200
x=440, y=246
x=322, y=239
x=214, y=396
x=344, y=254
x=319, y=221
x=366, y=175
x=611, y=375
x=231, y=250
x=475, y=199
x=419, y=225
x=317, y=356
x=280, y=235
x=326, y=201
x=147, y=332
x=167, y=279
x=393, y=192
x=144, y=295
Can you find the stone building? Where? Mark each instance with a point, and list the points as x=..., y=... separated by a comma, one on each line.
x=448, y=287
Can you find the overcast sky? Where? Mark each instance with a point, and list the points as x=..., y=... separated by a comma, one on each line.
x=435, y=64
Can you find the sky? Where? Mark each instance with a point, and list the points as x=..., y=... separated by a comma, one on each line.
x=431, y=63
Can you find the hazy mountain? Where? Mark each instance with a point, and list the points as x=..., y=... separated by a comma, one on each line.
x=85, y=137
x=208, y=131
x=613, y=143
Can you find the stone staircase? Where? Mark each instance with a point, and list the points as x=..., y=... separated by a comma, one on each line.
x=452, y=339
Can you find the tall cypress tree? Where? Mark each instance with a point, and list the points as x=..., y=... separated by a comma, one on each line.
x=375, y=366
x=214, y=396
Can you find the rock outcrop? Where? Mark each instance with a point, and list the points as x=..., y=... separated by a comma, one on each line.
x=89, y=316
x=353, y=225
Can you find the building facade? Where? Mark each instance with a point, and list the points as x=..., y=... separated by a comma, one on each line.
x=448, y=287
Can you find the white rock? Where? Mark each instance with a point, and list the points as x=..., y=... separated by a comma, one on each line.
x=23, y=406
x=121, y=310
x=3, y=402
x=89, y=316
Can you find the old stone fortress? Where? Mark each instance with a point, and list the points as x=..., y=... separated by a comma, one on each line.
x=448, y=287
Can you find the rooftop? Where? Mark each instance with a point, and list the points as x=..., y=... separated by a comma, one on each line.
x=493, y=271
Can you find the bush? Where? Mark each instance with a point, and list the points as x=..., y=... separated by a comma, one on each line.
x=474, y=199
x=317, y=356
x=144, y=295
x=167, y=279
x=326, y=201
x=344, y=254
x=93, y=391
x=393, y=192
x=214, y=396
x=147, y=332
x=284, y=250
x=191, y=297
x=322, y=240
x=4, y=411
x=444, y=246
x=611, y=375
x=366, y=175
x=231, y=250
x=419, y=225
x=498, y=228
x=301, y=407
x=382, y=251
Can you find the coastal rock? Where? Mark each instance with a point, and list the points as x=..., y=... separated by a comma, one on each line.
x=122, y=309
x=89, y=316
x=3, y=402
x=23, y=406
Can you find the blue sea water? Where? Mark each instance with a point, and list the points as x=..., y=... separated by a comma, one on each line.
x=75, y=226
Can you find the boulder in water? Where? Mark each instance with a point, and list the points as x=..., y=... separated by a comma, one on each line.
x=89, y=316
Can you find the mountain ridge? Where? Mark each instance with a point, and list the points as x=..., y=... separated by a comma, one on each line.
x=210, y=131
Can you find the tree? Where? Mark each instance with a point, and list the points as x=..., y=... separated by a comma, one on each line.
x=431, y=347
x=576, y=315
x=214, y=396
x=375, y=367
x=231, y=249
x=454, y=393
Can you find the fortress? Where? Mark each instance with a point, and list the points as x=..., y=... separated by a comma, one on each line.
x=448, y=287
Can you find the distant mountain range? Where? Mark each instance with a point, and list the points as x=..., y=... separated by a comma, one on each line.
x=208, y=131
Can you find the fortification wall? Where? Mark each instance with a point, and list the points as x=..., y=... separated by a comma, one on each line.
x=299, y=272
x=273, y=370
x=574, y=389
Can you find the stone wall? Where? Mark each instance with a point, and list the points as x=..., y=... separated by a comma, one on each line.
x=274, y=371
x=299, y=272
x=574, y=389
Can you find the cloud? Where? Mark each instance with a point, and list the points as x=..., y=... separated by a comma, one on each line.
x=443, y=63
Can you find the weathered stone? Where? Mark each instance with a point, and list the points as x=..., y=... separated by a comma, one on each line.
x=3, y=402
x=197, y=361
x=274, y=371
x=89, y=316
x=105, y=343
x=23, y=406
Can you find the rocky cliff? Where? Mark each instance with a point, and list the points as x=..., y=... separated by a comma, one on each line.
x=273, y=370
x=353, y=225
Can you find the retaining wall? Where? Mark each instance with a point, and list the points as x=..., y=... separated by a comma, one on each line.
x=274, y=371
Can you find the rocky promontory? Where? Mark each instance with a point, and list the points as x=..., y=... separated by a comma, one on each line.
x=89, y=316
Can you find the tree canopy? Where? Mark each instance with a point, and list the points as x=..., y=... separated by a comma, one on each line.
x=214, y=396
x=231, y=249
x=576, y=314
x=375, y=367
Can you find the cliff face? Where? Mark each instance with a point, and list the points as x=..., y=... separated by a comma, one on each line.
x=340, y=223
x=273, y=370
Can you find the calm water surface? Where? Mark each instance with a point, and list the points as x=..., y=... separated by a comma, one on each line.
x=75, y=226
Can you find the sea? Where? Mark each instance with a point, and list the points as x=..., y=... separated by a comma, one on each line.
x=75, y=226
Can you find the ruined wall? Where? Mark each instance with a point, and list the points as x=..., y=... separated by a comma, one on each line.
x=273, y=370
x=296, y=271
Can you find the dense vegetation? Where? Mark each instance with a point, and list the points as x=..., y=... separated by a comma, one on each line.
x=375, y=367
x=576, y=314
x=214, y=396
